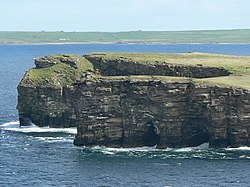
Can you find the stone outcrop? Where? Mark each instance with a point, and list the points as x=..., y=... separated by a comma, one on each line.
x=45, y=106
x=42, y=93
x=164, y=113
x=132, y=111
x=49, y=61
x=124, y=67
x=44, y=62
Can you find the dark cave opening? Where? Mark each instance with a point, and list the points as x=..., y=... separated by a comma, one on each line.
x=152, y=135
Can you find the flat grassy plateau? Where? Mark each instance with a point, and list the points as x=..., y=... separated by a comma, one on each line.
x=238, y=66
x=64, y=74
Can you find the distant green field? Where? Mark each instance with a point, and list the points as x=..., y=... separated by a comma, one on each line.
x=209, y=36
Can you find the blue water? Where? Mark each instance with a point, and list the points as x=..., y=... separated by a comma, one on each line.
x=32, y=156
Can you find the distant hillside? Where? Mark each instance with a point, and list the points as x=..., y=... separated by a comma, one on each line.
x=208, y=36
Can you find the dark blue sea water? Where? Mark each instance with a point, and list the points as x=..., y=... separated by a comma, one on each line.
x=32, y=156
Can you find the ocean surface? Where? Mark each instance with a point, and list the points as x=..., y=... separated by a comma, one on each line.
x=33, y=156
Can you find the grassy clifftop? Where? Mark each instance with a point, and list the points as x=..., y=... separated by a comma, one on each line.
x=61, y=70
x=238, y=66
x=60, y=73
x=209, y=36
x=235, y=64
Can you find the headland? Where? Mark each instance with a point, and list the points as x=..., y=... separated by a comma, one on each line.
x=141, y=99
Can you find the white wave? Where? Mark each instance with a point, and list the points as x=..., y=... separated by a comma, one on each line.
x=188, y=149
x=121, y=149
x=203, y=146
x=110, y=150
x=14, y=126
x=54, y=139
x=134, y=149
x=10, y=124
x=243, y=148
x=185, y=149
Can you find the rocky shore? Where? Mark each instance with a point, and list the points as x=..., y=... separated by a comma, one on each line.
x=136, y=99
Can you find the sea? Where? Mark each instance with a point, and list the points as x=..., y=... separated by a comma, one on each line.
x=34, y=156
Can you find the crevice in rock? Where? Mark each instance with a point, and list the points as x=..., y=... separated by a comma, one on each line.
x=25, y=121
x=122, y=138
x=152, y=135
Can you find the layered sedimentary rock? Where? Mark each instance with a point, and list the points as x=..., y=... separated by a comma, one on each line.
x=42, y=98
x=163, y=113
x=45, y=106
x=132, y=111
x=126, y=66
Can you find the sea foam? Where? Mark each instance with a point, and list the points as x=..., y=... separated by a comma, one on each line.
x=110, y=150
x=15, y=126
x=243, y=148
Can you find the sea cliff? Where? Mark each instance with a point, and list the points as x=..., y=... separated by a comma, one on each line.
x=138, y=99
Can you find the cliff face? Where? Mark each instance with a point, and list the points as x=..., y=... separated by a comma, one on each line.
x=132, y=111
x=167, y=114
x=42, y=98
x=45, y=106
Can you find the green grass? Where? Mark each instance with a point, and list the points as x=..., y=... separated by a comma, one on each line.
x=209, y=36
x=235, y=64
x=60, y=74
x=239, y=66
x=231, y=81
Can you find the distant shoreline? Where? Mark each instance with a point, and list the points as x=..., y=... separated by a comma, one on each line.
x=240, y=36
x=125, y=43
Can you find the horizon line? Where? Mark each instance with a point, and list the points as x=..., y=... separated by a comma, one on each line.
x=188, y=30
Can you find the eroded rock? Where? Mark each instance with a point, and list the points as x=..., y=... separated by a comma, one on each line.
x=44, y=62
x=132, y=111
